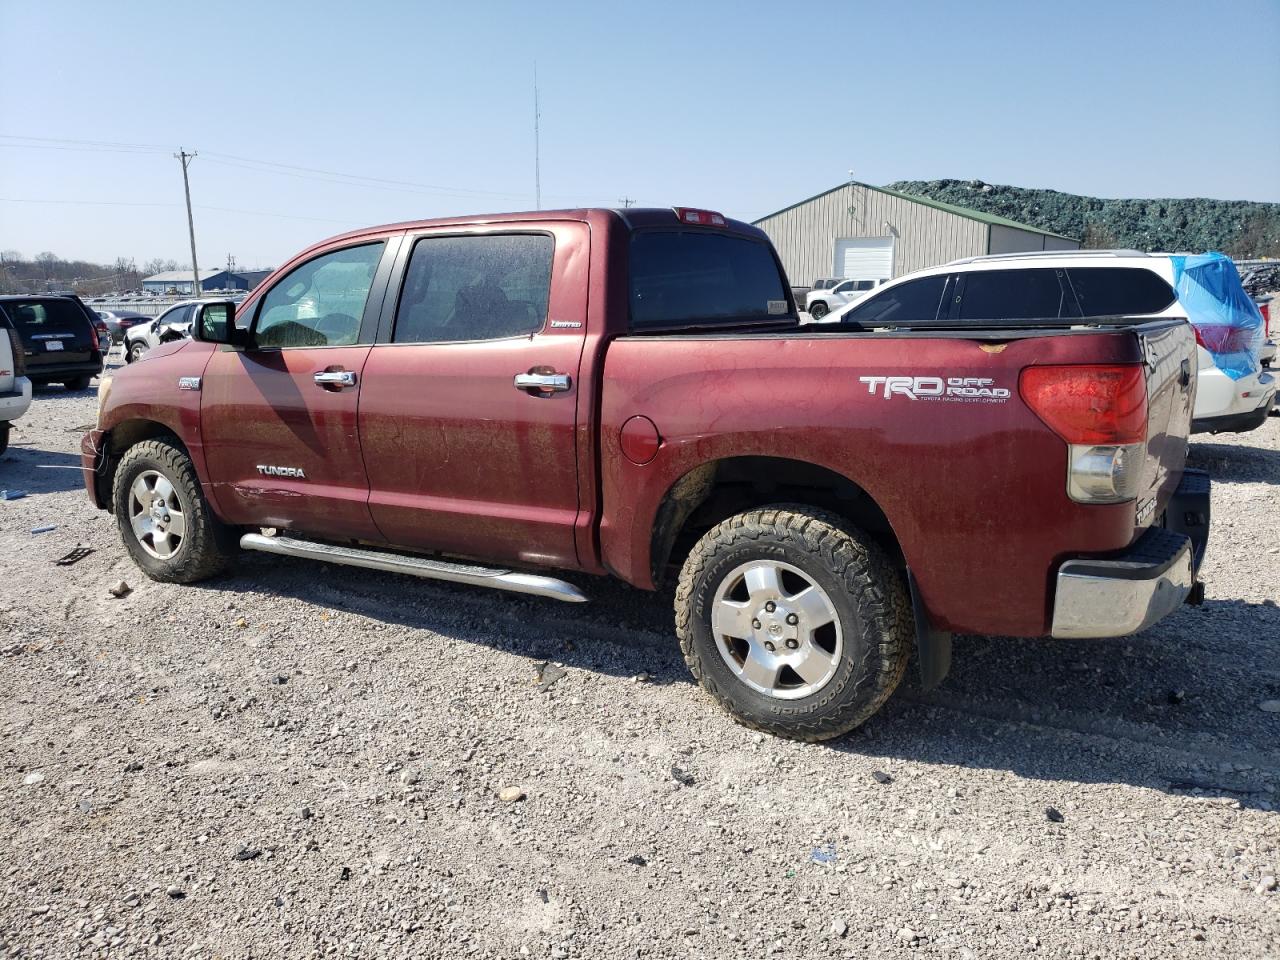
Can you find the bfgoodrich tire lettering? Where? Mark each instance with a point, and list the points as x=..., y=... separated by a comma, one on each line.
x=867, y=595
x=161, y=469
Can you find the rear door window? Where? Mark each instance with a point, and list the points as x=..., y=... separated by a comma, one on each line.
x=1034, y=294
x=908, y=302
x=486, y=287
x=1119, y=291
x=686, y=277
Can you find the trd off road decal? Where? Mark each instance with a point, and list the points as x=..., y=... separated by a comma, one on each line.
x=950, y=389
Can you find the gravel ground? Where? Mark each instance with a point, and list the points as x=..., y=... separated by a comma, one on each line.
x=298, y=760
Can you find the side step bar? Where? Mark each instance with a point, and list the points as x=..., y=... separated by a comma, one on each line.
x=417, y=567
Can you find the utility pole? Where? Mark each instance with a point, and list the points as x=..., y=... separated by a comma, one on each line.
x=537, y=145
x=626, y=202
x=186, y=159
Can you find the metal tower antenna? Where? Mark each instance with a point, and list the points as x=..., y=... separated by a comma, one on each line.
x=537, y=145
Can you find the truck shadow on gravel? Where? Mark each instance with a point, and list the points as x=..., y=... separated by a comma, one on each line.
x=39, y=471
x=1175, y=709
x=1235, y=463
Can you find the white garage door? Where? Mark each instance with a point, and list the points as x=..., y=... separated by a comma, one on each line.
x=865, y=258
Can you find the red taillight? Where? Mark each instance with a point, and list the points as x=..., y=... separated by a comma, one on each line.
x=19, y=353
x=1221, y=338
x=701, y=218
x=1265, y=310
x=1091, y=404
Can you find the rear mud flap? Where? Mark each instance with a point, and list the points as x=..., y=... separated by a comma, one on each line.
x=933, y=646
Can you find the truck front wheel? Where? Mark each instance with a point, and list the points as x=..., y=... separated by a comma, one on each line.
x=794, y=621
x=163, y=517
x=818, y=309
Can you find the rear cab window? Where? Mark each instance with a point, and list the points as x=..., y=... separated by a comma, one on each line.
x=704, y=279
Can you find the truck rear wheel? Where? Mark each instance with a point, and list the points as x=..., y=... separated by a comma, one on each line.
x=794, y=621
x=164, y=520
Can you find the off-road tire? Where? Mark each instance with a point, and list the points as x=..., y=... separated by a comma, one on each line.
x=868, y=594
x=78, y=383
x=819, y=310
x=207, y=545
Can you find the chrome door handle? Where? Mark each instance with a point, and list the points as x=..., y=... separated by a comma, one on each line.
x=551, y=382
x=335, y=378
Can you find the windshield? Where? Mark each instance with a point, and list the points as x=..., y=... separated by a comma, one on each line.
x=688, y=278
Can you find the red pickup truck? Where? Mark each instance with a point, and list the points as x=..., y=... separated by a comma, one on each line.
x=629, y=393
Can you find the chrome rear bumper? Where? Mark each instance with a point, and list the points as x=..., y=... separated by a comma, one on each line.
x=1117, y=597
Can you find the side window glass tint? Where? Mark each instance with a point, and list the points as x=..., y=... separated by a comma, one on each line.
x=1015, y=295
x=1110, y=291
x=320, y=303
x=906, y=303
x=475, y=288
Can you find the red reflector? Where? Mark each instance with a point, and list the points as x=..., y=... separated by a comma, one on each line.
x=1089, y=404
x=1221, y=338
x=703, y=218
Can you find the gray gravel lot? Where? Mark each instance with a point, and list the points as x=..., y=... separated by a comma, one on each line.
x=298, y=760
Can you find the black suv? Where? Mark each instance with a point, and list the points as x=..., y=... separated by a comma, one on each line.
x=59, y=341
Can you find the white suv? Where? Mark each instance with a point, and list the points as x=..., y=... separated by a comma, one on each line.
x=1074, y=287
x=15, y=388
x=174, y=322
x=818, y=303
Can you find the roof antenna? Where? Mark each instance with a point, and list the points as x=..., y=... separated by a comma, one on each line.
x=537, y=146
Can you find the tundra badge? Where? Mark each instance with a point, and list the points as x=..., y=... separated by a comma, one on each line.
x=188, y=383
x=267, y=470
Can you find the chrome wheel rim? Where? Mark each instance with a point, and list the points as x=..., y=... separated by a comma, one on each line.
x=776, y=629
x=156, y=515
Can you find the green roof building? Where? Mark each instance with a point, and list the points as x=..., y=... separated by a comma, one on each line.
x=862, y=232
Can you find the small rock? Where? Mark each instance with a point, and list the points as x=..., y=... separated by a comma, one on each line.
x=638, y=861
x=1267, y=885
x=132, y=899
x=279, y=679
x=1053, y=815
x=304, y=813
x=247, y=853
x=84, y=806
x=408, y=777
x=242, y=623
x=559, y=953
x=510, y=794
x=839, y=928
x=1177, y=696
x=907, y=935
x=346, y=874
x=120, y=589
x=176, y=892
x=133, y=766
x=879, y=776
x=1269, y=706
x=39, y=911
x=642, y=678
x=549, y=673
x=682, y=777
x=32, y=779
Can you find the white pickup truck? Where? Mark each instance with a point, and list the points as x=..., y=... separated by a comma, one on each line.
x=15, y=388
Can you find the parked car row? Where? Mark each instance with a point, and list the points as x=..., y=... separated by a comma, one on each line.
x=60, y=339
x=1234, y=391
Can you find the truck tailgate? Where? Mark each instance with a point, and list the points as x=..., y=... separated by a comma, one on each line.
x=1169, y=352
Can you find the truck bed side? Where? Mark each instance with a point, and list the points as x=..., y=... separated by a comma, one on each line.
x=973, y=487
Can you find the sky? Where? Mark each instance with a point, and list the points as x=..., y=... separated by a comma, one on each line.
x=310, y=118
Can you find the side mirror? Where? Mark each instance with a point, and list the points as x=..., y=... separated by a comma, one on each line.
x=216, y=324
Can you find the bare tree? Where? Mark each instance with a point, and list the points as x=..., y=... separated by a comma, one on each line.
x=48, y=263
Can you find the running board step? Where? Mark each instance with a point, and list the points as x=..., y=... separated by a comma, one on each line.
x=417, y=567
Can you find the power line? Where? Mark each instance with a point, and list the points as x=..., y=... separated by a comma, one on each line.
x=198, y=206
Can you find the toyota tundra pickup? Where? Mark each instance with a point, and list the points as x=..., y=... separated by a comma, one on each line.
x=629, y=393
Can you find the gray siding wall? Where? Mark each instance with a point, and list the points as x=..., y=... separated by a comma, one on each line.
x=923, y=236
x=1011, y=240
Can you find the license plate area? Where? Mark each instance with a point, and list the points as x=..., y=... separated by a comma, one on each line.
x=53, y=346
